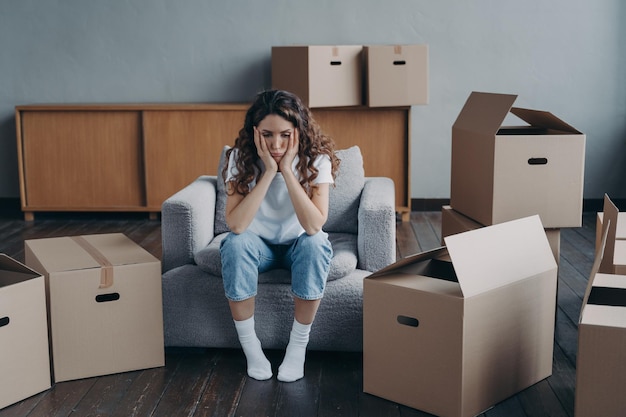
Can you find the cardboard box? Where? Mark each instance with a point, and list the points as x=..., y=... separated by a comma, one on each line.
x=431, y=338
x=321, y=75
x=453, y=222
x=24, y=353
x=503, y=173
x=601, y=358
x=395, y=75
x=105, y=304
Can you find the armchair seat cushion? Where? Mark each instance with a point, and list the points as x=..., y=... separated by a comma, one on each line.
x=343, y=263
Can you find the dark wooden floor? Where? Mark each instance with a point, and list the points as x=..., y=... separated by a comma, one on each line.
x=212, y=382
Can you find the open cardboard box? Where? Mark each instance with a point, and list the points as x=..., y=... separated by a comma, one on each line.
x=105, y=304
x=501, y=173
x=457, y=329
x=24, y=353
x=453, y=222
x=601, y=359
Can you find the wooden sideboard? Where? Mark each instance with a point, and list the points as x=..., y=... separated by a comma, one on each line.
x=131, y=157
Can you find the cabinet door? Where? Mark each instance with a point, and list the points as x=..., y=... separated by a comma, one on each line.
x=82, y=160
x=181, y=145
x=381, y=133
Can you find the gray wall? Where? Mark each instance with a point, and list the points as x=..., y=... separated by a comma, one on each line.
x=563, y=56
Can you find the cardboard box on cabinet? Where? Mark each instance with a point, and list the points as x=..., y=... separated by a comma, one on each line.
x=431, y=340
x=500, y=173
x=24, y=351
x=453, y=222
x=395, y=75
x=601, y=358
x=321, y=75
x=105, y=304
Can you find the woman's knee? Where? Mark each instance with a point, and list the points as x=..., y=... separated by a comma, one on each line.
x=314, y=245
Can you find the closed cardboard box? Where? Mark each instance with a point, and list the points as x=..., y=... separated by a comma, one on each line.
x=501, y=173
x=431, y=338
x=24, y=353
x=321, y=75
x=453, y=222
x=396, y=75
x=105, y=304
x=601, y=358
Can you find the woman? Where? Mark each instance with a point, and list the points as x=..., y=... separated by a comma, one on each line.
x=277, y=180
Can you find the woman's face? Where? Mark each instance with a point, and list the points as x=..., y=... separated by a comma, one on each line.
x=276, y=132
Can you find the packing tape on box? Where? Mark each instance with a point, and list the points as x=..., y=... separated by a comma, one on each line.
x=106, y=267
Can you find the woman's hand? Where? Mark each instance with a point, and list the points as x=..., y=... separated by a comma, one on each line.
x=292, y=151
x=264, y=153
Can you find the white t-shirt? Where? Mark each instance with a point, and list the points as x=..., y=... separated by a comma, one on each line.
x=276, y=219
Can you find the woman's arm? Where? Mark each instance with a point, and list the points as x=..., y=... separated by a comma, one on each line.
x=240, y=209
x=311, y=212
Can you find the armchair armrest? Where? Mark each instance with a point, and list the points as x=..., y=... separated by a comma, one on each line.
x=376, y=240
x=187, y=221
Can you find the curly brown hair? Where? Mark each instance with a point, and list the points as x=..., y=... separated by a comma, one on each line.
x=313, y=142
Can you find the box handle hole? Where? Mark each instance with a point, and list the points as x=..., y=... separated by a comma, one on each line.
x=408, y=321
x=335, y=63
x=104, y=298
x=537, y=161
x=4, y=321
x=399, y=62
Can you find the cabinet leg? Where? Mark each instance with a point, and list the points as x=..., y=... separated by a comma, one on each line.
x=29, y=216
x=405, y=213
x=153, y=216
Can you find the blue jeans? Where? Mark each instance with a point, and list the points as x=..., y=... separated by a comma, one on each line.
x=246, y=255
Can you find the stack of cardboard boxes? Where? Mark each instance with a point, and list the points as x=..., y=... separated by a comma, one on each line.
x=79, y=307
x=501, y=173
x=353, y=75
x=457, y=329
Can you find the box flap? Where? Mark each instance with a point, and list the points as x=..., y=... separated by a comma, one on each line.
x=598, y=257
x=9, y=264
x=410, y=260
x=498, y=255
x=542, y=119
x=611, y=213
x=484, y=112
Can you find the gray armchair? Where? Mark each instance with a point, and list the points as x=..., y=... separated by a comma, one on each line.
x=361, y=227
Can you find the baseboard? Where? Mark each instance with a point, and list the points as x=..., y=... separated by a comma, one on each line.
x=592, y=205
x=10, y=207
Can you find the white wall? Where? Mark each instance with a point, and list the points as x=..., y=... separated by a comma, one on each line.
x=563, y=56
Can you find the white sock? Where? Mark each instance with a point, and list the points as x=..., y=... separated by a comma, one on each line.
x=258, y=365
x=292, y=367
